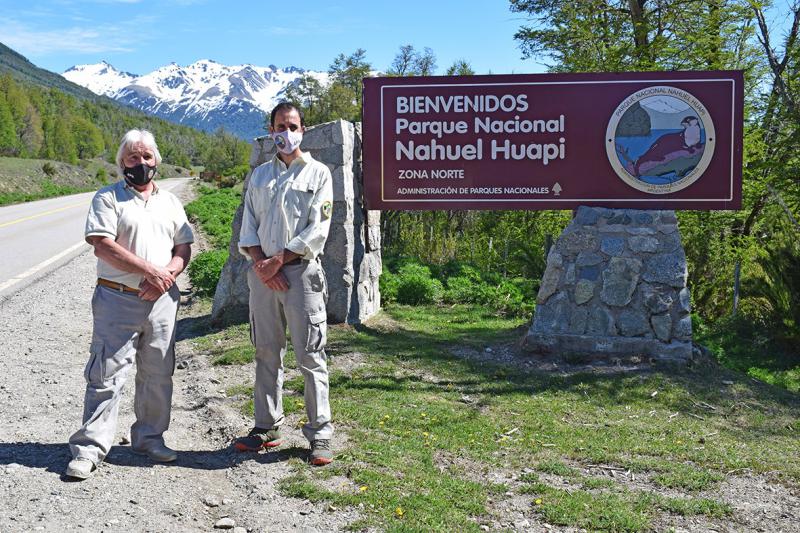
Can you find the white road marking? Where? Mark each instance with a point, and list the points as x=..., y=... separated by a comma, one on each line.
x=33, y=270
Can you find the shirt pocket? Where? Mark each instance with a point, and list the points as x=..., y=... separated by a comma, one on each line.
x=299, y=197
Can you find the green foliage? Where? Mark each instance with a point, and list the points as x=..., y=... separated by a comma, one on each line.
x=88, y=138
x=749, y=345
x=416, y=286
x=214, y=210
x=387, y=284
x=614, y=35
x=49, y=169
x=205, y=270
x=101, y=176
x=226, y=154
x=340, y=99
x=460, y=67
x=454, y=283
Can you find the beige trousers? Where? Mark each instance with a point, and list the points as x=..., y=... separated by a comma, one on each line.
x=302, y=308
x=127, y=330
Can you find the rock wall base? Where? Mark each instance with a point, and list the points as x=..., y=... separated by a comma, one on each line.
x=615, y=286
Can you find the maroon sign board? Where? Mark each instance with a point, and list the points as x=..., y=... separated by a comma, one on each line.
x=645, y=140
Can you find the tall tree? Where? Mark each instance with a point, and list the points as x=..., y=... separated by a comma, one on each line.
x=8, y=135
x=460, y=67
x=618, y=35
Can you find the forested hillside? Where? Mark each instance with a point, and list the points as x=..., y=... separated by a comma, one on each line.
x=44, y=116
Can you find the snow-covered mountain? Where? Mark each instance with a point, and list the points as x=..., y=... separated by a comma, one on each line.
x=205, y=94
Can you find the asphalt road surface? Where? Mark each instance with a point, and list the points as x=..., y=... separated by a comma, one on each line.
x=38, y=237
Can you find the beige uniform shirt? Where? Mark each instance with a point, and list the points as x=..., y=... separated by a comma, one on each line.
x=149, y=229
x=288, y=207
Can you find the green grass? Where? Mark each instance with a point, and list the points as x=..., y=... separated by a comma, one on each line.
x=426, y=428
x=213, y=210
x=753, y=347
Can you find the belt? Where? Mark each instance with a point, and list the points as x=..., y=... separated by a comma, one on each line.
x=295, y=261
x=116, y=286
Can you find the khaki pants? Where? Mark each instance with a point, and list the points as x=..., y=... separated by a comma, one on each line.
x=302, y=308
x=127, y=329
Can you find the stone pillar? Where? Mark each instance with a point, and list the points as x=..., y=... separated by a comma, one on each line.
x=352, y=257
x=615, y=286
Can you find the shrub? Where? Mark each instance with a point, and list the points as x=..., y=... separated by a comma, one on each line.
x=205, y=270
x=101, y=175
x=416, y=286
x=49, y=169
x=463, y=289
x=387, y=284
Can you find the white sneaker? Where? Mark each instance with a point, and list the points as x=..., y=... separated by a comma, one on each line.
x=158, y=452
x=80, y=468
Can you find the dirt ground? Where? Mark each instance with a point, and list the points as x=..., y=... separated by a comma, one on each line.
x=45, y=339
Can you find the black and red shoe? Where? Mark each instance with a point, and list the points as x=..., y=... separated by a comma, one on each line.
x=257, y=439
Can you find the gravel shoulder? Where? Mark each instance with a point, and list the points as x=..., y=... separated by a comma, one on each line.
x=45, y=337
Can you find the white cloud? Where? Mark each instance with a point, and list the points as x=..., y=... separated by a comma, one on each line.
x=86, y=39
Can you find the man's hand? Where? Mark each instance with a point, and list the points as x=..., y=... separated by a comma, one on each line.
x=149, y=292
x=161, y=278
x=278, y=282
x=267, y=268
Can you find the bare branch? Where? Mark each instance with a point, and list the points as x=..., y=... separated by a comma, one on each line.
x=777, y=66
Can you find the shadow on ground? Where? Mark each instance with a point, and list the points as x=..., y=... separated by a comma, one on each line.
x=53, y=457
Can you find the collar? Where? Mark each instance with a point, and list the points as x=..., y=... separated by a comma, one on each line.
x=303, y=159
x=128, y=187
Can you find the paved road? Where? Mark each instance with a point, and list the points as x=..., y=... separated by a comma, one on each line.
x=38, y=237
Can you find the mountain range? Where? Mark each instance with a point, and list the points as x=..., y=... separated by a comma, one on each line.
x=206, y=94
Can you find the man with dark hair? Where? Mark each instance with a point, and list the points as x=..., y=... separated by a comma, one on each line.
x=287, y=215
x=286, y=106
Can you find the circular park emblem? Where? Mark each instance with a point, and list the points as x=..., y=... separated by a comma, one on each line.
x=660, y=139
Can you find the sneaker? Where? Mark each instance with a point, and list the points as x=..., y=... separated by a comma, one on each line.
x=80, y=468
x=321, y=453
x=158, y=453
x=258, y=438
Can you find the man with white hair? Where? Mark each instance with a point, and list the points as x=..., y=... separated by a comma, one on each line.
x=141, y=238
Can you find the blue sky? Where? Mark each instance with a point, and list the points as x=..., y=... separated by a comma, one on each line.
x=140, y=35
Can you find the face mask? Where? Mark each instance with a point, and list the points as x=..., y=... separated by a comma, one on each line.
x=140, y=174
x=287, y=141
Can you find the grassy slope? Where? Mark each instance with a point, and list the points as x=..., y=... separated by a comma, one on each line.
x=23, y=180
x=433, y=438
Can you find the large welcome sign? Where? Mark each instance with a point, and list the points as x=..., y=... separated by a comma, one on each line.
x=656, y=140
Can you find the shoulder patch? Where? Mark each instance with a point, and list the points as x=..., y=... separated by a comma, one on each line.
x=327, y=209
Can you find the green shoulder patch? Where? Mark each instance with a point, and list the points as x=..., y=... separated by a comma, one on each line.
x=327, y=209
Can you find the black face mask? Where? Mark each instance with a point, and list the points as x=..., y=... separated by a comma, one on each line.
x=140, y=174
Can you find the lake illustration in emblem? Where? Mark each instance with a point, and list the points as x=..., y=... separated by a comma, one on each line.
x=660, y=139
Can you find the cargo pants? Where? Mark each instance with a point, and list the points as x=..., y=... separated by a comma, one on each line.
x=302, y=308
x=127, y=330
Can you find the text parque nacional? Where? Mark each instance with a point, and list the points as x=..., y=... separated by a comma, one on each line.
x=495, y=148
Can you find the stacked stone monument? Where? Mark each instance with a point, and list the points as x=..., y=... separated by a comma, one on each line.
x=615, y=286
x=352, y=258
